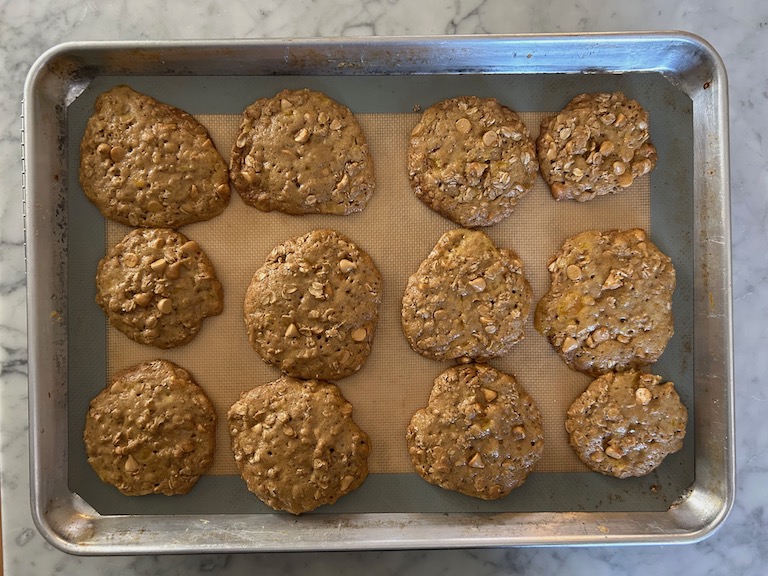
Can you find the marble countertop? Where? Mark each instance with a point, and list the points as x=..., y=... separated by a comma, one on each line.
x=738, y=31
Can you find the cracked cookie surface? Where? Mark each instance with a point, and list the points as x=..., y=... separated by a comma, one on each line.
x=480, y=433
x=145, y=163
x=471, y=159
x=598, y=144
x=300, y=152
x=312, y=308
x=468, y=299
x=156, y=286
x=626, y=423
x=609, y=304
x=296, y=445
x=151, y=431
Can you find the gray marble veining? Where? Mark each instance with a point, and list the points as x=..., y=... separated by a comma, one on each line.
x=739, y=31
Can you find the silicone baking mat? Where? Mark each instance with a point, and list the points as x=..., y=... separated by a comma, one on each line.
x=398, y=231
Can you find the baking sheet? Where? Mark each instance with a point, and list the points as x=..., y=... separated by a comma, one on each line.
x=678, y=76
x=398, y=231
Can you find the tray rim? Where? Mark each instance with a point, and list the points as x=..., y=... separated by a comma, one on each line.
x=71, y=525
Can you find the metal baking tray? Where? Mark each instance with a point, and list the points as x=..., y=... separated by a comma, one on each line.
x=682, y=77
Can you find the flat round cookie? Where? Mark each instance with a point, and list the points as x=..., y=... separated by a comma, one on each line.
x=145, y=163
x=471, y=159
x=312, y=308
x=296, y=445
x=480, y=434
x=626, y=423
x=151, y=431
x=598, y=144
x=156, y=286
x=609, y=304
x=300, y=152
x=468, y=299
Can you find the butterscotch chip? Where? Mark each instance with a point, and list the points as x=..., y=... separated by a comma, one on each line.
x=468, y=299
x=313, y=307
x=615, y=312
x=598, y=144
x=296, y=445
x=480, y=434
x=471, y=159
x=157, y=287
x=300, y=152
x=145, y=163
x=151, y=431
x=626, y=423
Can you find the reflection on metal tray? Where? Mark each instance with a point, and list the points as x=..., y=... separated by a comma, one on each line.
x=677, y=77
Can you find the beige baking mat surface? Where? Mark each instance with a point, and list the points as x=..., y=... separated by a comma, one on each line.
x=398, y=231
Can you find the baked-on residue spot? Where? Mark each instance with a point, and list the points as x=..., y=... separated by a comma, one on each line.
x=296, y=445
x=300, y=152
x=145, y=163
x=312, y=308
x=151, y=431
x=598, y=144
x=480, y=434
x=468, y=299
x=157, y=286
x=471, y=159
x=626, y=423
x=609, y=305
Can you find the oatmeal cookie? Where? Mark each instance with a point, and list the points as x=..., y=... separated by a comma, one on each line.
x=471, y=159
x=312, y=308
x=157, y=286
x=609, y=305
x=468, y=299
x=145, y=163
x=626, y=423
x=151, y=431
x=300, y=152
x=296, y=445
x=480, y=434
x=598, y=144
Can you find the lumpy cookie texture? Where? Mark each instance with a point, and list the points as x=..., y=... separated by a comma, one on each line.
x=145, y=163
x=468, y=299
x=312, y=308
x=156, y=286
x=609, y=305
x=480, y=433
x=300, y=152
x=151, y=431
x=296, y=445
x=598, y=144
x=626, y=423
x=471, y=159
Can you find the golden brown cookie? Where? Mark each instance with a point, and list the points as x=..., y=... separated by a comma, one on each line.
x=312, y=308
x=609, y=305
x=480, y=434
x=156, y=286
x=151, y=431
x=296, y=445
x=471, y=159
x=626, y=423
x=468, y=299
x=145, y=163
x=300, y=152
x=598, y=144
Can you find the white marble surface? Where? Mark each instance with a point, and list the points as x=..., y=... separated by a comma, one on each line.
x=738, y=30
